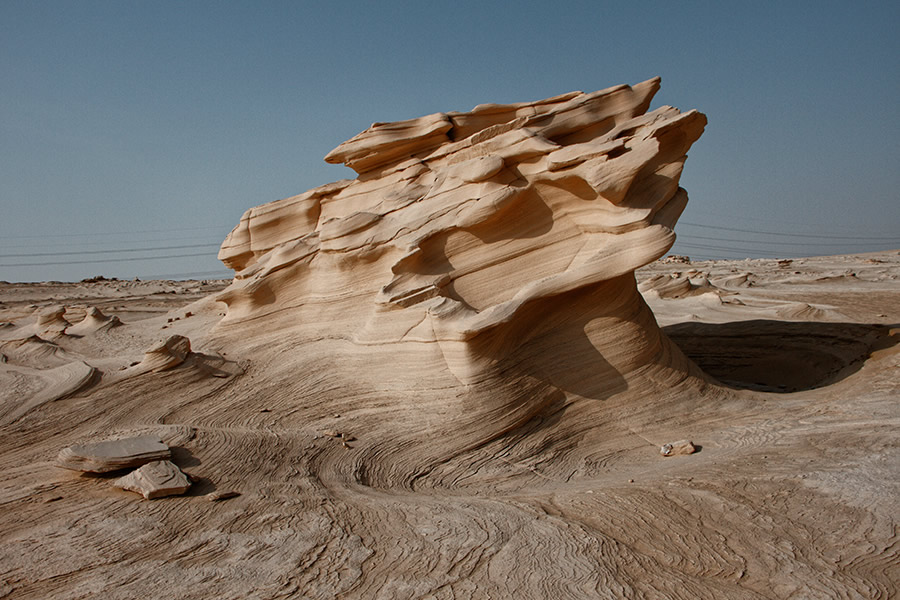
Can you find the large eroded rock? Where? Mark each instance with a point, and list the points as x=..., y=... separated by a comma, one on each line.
x=500, y=241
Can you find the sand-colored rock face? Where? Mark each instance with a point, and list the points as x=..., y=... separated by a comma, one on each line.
x=481, y=231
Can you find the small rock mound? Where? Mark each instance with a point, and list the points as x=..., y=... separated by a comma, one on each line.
x=801, y=311
x=166, y=355
x=676, y=448
x=677, y=285
x=740, y=280
x=93, y=322
x=51, y=322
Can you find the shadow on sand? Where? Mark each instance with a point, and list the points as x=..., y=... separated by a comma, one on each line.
x=780, y=356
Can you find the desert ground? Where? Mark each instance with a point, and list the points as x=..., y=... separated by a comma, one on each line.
x=791, y=403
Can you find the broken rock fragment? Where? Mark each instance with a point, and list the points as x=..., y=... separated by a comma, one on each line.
x=113, y=455
x=218, y=496
x=676, y=448
x=155, y=480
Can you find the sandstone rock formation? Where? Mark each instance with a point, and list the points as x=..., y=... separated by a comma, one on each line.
x=155, y=480
x=165, y=355
x=94, y=321
x=498, y=235
x=51, y=322
x=113, y=455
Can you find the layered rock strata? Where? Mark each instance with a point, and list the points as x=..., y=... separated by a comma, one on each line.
x=113, y=455
x=496, y=234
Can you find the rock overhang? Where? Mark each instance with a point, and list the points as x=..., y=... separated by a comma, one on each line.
x=464, y=219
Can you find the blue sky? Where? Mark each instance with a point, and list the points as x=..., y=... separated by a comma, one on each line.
x=129, y=125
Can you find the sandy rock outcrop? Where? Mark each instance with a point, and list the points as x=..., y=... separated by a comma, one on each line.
x=166, y=354
x=94, y=321
x=35, y=371
x=677, y=285
x=51, y=322
x=488, y=233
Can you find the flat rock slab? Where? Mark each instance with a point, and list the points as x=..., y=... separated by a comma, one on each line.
x=113, y=455
x=155, y=480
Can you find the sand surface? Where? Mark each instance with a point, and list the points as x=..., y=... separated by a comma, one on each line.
x=793, y=493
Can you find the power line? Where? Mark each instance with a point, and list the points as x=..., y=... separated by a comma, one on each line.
x=102, y=233
x=116, y=251
x=104, y=260
x=701, y=237
x=807, y=224
x=78, y=244
x=731, y=250
x=895, y=238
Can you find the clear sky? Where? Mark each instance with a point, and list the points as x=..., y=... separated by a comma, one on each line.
x=145, y=129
